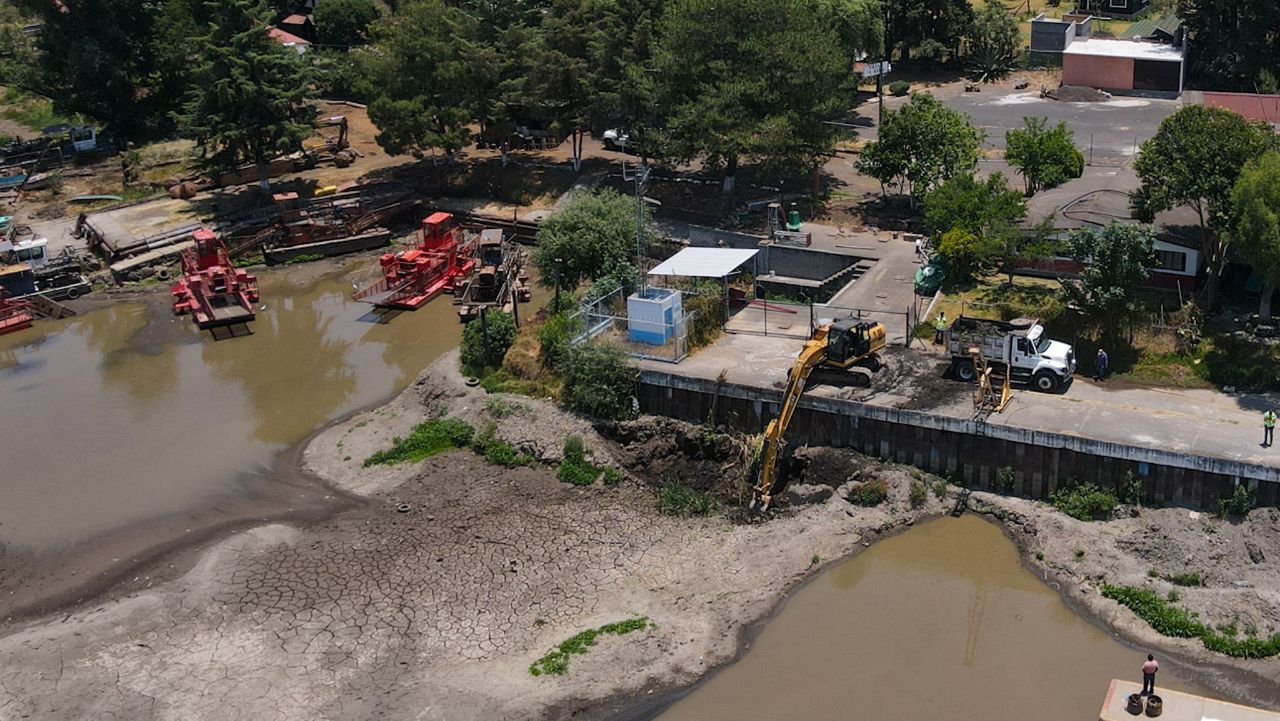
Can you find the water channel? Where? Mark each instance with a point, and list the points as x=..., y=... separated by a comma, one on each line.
x=125, y=415
x=941, y=622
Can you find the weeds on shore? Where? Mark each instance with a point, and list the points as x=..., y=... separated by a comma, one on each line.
x=557, y=661
x=1188, y=578
x=869, y=493
x=575, y=469
x=676, y=499
x=1238, y=504
x=1085, y=502
x=1176, y=622
x=497, y=451
x=427, y=439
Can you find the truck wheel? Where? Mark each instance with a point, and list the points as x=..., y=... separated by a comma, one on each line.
x=965, y=371
x=1045, y=382
x=73, y=294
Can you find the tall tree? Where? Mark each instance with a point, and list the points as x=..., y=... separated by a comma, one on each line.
x=994, y=43
x=568, y=62
x=248, y=96
x=931, y=28
x=102, y=59
x=433, y=76
x=590, y=236
x=987, y=212
x=1045, y=157
x=1232, y=42
x=1256, y=202
x=1195, y=159
x=748, y=80
x=859, y=24
x=1117, y=261
x=921, y=145
x=344, y=23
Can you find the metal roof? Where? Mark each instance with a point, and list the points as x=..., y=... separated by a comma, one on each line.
x=1133, y=49
x=704, y=262
x=1167, y=24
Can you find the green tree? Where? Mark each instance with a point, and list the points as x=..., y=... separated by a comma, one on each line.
x=1045, y=157
x=1117, y=261
x=859, y=24
x=1195, y=159
x=920, y=146
x=994, y=43
x=930, y=28
x=567, y=64
x=748, y=80
x=590, y=236
x=105, y=59
x=485, y=342
x=433, y=75
x=964, y=250
x=990, y=212
x=1256, y=202
x=344, y=23
x=248, y=97
x=599, y=381
x=1233, y=42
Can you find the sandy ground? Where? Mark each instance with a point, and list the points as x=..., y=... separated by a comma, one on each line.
x=437, y=613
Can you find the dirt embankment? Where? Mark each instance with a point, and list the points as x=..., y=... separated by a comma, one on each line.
x=438, y=612
x=1231, y=568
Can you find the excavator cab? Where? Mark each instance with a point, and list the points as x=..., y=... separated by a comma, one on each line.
x=852, y=342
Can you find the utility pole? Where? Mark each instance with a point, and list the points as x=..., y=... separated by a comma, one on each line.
x=642, y=181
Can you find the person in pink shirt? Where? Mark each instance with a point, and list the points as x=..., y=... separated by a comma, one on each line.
x=1149, y=675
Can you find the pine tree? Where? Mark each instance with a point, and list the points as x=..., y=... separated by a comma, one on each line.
x=248, y=96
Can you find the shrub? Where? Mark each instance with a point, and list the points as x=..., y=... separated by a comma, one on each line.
x=577, y=474
x=485, y=341
x=1085, y=502
x=1005, y=479
x=427, y=439
x=575, y=449
x=707, y=304
x=1130, y=489
x=870, y=493
x=501, y=453
x=939, y=486
x=675, y=499
x=553, y=340
x=963, y=251
x=599, y=381
x=1188, y=578
x=899, y=87
x=612, y=476
x=1238, y=504
x=918, y=494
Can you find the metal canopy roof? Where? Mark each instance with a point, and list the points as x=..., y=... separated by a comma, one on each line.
x=704, y=262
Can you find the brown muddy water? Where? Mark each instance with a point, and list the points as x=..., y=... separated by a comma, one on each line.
x=941, y=622
x=127, y=414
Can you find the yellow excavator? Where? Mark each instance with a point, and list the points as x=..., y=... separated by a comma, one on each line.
x=846, y=346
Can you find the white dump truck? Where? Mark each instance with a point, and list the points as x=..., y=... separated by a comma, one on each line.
x=1020, y=344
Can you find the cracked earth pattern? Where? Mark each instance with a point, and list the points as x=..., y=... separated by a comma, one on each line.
x=435, y=613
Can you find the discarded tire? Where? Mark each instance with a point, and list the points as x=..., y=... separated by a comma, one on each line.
x=472, y=382
x=1135, y=704
x=404, y=508
x=1155, y=706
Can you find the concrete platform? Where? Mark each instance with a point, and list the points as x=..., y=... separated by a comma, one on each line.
x=1178, y=706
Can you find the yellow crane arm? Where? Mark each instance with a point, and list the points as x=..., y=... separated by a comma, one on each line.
x=814, y=353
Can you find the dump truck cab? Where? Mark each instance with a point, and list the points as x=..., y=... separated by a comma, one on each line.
x=1021, y=344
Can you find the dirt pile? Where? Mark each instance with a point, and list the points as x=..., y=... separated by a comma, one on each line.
x=1078, y=94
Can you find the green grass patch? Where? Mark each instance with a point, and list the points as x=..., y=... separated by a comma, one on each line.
x=1189, y=578
x=677, y=499
x=497, y=451
x=556, y=662
x=1086, y=501
x=30, y=111
x=869, y=493
x=427, y=439
x=305, y=258
x=1172, y=621
x=575, y=469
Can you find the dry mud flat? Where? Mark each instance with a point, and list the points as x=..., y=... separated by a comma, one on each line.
x=438, y=613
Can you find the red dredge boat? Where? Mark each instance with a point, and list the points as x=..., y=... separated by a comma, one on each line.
x=441, y=262
x=211, y=289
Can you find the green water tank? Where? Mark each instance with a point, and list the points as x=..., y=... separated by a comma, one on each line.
x=793, y=221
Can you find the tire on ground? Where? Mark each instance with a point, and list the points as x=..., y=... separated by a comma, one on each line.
x=1045, y=382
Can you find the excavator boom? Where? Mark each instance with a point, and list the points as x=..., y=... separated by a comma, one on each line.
x=813, y=355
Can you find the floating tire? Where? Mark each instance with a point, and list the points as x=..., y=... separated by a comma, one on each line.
x=472, y=382
x=403, y=508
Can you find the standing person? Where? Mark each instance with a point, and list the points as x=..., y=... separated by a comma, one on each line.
x=1100, y=365
x=1268, y=427
x=939, y=327
x=1149, y=675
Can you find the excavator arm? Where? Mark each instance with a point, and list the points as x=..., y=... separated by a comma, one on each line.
x=770, y=482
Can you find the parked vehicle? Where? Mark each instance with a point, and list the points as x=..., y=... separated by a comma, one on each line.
x=1021, y=345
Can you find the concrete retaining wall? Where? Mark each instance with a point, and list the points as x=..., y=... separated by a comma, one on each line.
x=975, y=451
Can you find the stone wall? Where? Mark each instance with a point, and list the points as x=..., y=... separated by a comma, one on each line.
x=972, y=450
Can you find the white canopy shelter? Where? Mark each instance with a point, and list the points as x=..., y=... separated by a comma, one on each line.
x=704, y=262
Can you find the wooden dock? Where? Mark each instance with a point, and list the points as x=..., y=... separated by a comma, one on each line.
x=1178, y=706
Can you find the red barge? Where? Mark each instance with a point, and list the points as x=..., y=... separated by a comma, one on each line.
x=212, y=289
x=440, y=263
x=15, y=315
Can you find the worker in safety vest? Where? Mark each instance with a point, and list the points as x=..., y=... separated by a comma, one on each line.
x=939, y=327
x=1268, y=428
